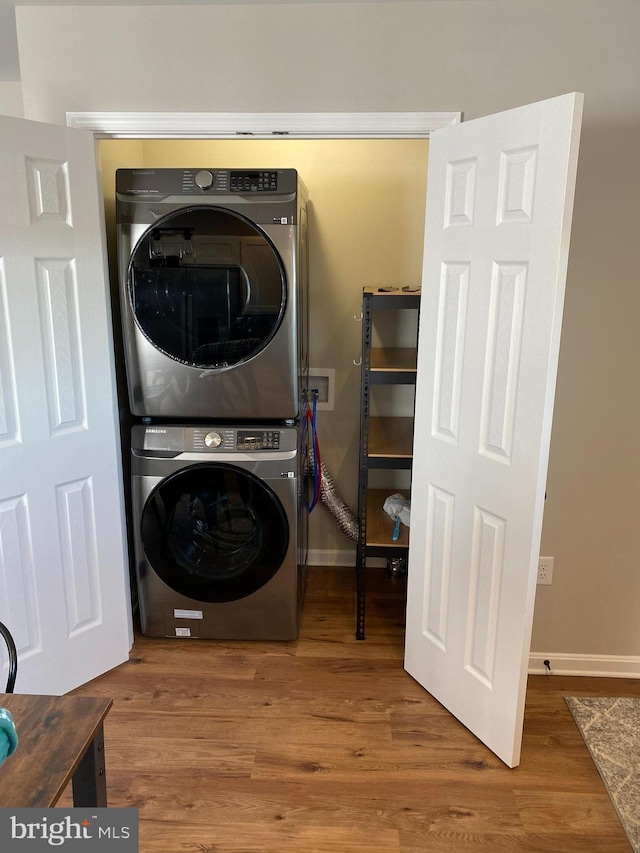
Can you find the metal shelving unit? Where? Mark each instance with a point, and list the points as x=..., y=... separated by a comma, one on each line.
x=385, y=442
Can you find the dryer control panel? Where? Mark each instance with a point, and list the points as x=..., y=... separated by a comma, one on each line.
x=254, y=182
x=198, y=182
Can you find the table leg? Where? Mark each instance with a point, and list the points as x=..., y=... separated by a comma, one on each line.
x=90, y=779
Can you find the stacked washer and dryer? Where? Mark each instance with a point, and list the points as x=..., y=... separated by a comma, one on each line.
x=213, y=292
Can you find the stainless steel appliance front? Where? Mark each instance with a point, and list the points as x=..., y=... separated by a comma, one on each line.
x=213, y=292
x=219, y=531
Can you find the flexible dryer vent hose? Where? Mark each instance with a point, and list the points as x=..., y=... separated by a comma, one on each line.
x=345, y=519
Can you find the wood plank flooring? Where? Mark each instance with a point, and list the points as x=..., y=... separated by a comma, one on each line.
x=326, y=745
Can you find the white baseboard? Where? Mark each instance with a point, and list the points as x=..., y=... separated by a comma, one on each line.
x=609, y=666
x=603, y=666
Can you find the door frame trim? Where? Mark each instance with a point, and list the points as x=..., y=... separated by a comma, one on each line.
x=189, y=125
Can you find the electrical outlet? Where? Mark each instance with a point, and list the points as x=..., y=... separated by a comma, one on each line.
x=545, y=570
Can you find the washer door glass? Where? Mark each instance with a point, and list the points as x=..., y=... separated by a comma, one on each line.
x=207, y=287
x=214, y=532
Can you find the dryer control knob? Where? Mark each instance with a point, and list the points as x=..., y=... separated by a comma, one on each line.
x=204, y=179
x=213, y=439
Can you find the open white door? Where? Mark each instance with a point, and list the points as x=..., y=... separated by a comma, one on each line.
x=64, y=586
x=498, y=220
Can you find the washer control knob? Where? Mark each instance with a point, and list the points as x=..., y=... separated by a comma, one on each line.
x=204, y=179
x=213, y=439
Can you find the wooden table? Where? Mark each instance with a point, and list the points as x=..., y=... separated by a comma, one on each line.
x=59, y=738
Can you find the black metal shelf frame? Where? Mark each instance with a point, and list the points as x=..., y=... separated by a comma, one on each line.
x=372, y=300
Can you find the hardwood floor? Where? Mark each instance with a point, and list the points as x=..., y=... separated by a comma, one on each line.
x=326, y=745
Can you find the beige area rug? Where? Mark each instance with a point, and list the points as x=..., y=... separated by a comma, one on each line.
x=611, y=731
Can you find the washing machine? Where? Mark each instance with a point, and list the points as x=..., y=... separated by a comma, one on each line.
x=220, y=530
x=213, y=266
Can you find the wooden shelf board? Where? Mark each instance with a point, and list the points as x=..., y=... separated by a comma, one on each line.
x=393, y=299
x=379, y=524
x=394, y=358
x=391, y=437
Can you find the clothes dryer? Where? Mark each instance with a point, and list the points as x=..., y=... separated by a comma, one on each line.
x=220, y=531
x=213, y=292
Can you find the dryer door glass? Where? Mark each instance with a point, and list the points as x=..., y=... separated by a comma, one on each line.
x=214, y=532
x=207, y=287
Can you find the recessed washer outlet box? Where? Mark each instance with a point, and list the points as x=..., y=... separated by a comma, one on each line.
x=324, y=380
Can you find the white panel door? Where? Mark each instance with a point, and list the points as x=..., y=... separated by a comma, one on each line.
x=496, y=244
x=64, y=587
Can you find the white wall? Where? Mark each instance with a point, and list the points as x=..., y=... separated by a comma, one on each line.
x=479, y=56
x=483, y=55
x=10, y=86
x=9, y=63
x=11, y=99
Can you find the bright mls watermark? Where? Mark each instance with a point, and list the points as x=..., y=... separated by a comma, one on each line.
x=82, y=830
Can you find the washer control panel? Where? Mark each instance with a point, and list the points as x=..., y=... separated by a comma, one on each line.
x=208, y=439
x=258, y=440
x=222, y=439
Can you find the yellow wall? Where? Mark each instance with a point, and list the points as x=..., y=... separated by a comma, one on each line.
x=112, y=156
x=366, y=224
